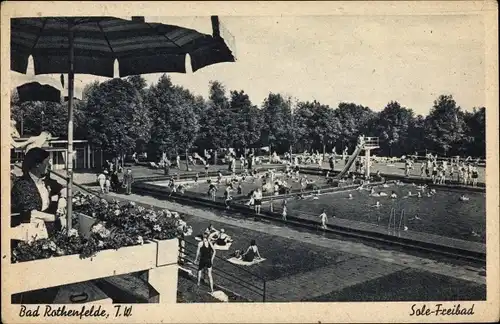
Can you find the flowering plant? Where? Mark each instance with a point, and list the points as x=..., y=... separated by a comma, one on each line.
x=117, y=225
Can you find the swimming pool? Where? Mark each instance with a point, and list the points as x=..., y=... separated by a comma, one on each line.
x=247, y=185
x=441, y=214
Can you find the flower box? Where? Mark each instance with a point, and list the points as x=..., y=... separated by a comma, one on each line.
x=57, y=271
x=117, y=239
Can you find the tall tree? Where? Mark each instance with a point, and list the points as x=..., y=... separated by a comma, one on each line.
x=215, y=120
x=246, y=122
x=175, y=123
x=38, y=116
x=116, y=117
x=416, y=136
x=277, y=122
x=88, y=89
x=392, y=127
x=138, y=82
x=354, y=120
x=316, y=126
x=474, y=139
x=444, y=125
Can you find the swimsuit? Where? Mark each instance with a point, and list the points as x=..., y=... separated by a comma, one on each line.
x=206, y=253
x=249, y=256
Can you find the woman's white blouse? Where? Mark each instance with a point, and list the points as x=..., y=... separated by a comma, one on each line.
x=42, y=189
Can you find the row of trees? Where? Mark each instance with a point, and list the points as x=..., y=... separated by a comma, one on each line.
x=125, y=115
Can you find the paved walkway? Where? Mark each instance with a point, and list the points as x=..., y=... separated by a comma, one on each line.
x=468, y=273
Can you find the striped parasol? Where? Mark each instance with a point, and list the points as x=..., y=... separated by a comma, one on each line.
x=90, y=45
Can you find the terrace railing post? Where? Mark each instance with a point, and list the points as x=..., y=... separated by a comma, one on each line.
x=264, y=292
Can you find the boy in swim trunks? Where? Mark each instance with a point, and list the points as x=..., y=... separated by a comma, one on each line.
x=324, y=219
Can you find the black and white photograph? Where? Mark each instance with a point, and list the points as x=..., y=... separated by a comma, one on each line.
x=250, y=160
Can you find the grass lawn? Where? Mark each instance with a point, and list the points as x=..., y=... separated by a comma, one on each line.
x=442, y=214
x=289, y=264
x=283, y=256
x=409, y=285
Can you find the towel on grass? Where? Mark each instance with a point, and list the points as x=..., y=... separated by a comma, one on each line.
x=237, y=261
x=220, y=295
x=223, y=247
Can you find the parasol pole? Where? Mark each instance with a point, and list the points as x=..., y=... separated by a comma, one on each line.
x=71, y=83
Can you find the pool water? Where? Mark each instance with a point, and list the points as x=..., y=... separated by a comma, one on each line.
x=441, y=214
x=247, y=185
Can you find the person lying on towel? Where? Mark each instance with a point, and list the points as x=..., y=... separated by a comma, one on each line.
x=223, y=239
x=210, y=231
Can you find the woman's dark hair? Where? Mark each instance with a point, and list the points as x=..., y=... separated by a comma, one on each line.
x=33, y=157
x=252, y=242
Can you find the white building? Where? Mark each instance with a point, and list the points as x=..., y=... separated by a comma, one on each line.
x=85, y=157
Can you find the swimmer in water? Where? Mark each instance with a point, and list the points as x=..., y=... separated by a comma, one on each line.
x=382, y=194
x=377, y=204
x=350, y=196
x=393, y=195
x=464, y=198
x=419, y=194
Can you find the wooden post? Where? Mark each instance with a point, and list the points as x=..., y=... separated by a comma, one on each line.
x=164, y=280
x=71, y=83
x=367, y=155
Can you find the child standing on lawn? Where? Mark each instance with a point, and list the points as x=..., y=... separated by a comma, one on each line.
x=284, y=211
x=324, y=219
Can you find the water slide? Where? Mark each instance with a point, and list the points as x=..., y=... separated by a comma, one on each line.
x=349, y=163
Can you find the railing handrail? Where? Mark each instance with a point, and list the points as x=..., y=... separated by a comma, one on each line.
x=193, y=251
x=227, y=273
x=232, y=264
x=90, y=191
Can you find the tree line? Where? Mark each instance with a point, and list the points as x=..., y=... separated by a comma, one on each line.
x=126, y=115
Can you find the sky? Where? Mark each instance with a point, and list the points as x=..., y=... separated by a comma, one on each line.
x=368, y=60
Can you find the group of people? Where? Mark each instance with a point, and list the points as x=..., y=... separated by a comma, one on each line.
x=109, y=180
x=439, y=171
x=205, y=253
